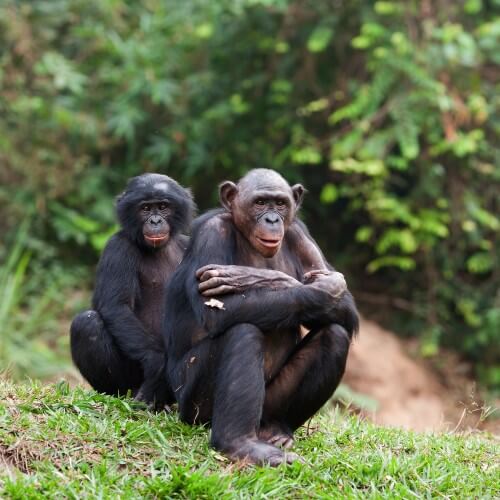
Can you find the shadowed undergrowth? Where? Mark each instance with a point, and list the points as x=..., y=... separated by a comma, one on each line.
x=57, y=441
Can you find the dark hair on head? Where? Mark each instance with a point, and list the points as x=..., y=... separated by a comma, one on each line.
x=154, y=187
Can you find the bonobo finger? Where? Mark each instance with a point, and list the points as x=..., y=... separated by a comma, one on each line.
x=293, y=457
x=312, y=275
x=221, y=290
x=212, y=273
x=201, y=270
x=282, y=440
x=316, y=272
x=210, y=283
x=208, y=267
x=339, y=277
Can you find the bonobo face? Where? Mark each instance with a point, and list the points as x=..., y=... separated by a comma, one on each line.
x=263, y=206
x=154, y=215
x=153, y=209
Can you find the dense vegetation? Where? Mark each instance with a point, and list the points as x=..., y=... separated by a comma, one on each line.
x=385, y=110
x=56, y=442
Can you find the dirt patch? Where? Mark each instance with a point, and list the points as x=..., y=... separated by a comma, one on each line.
x=15, y=459
x=409, y=392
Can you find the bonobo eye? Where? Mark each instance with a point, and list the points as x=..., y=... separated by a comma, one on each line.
x=163, y=205
x=146, y=208
x=260, y=202
x=280, y=203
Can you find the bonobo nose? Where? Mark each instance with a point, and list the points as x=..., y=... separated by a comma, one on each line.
x=155, y=220
x=272, y=218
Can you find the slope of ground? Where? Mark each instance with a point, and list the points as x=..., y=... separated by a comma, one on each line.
x=57, y=442
x=408, y=392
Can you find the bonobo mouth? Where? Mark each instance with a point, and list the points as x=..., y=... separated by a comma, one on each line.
x=157, y=240
x=269, y=242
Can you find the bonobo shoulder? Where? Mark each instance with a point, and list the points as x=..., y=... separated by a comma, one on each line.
x=302, y=244
x=119, y=255
x=120, y=242
x=297, y=231
x=299, y=228
x=215, y=225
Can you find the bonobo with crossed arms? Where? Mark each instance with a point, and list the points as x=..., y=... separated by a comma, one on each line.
x=238, y=360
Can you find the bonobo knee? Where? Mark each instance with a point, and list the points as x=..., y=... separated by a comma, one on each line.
x=336, y=342
x=244, y=335
x=85, y=326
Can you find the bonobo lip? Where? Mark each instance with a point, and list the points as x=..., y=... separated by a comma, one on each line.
x=269, y=243
x=156, y=240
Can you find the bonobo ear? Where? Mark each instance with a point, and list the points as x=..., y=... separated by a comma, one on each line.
x=227, y=192
x=298, y=193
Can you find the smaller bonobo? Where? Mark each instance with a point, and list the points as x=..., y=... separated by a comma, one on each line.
x=241, y=362
x=117, y=346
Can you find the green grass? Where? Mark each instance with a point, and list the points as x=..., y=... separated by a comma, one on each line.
x=59, y=442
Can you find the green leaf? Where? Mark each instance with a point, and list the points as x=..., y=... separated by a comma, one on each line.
x=473, y=6
x=467, y=309
x=319, y=39
x=352, y=166
x=403, y=263
x=387, y=8
x=204, y=31
x=479, y=263
x=306, y=155
x=63, y=72
x=364, y=233
x=329, y=193
x=402, y=239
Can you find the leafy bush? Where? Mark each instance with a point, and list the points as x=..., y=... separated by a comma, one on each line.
x=32, y=309
x=386, y=110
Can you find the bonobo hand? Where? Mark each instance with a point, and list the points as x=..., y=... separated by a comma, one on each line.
x=331, y=283
x=219, y=280
x=154, y=391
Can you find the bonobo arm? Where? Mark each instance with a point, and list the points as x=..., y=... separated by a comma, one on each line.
x=322, y=298
x=213, y=242
x=222, y=280
x=267, y=309
x=320, y=277
x=115, y=293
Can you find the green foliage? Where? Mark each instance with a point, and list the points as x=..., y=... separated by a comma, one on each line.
x=72, y=443
x=31, y=310
x=387, y=111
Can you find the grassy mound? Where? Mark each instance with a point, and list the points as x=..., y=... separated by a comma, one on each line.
x=59, y=442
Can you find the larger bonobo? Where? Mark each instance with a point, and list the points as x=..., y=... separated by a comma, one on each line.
x=117, y=346
x=240, y=361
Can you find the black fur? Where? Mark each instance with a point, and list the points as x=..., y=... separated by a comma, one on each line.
x=245, y=368
x=117, y=346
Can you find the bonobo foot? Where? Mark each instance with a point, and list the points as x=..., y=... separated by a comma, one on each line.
x=258, y=452
x=276, y=434
x=151, y=403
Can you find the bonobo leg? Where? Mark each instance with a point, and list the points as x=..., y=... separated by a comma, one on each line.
x=238, y=399
x=192, y=380
x=305, y=382
x=99, y=360
x=222, y=380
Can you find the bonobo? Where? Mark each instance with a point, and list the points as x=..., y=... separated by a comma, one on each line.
x=238, y=360
x=117, y=346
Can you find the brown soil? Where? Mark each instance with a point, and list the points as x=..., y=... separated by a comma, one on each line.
x=410, y=392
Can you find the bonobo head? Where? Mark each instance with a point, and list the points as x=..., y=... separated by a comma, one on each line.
x=153, y=209
x=263, y=205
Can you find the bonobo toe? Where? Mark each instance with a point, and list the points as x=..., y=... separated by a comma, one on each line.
x=257, y=452
x=276, y=434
